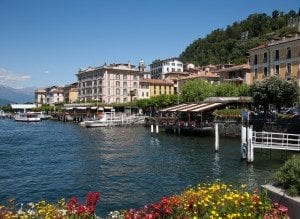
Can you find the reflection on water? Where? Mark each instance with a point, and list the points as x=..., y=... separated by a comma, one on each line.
x=216, y=167
x=128, y=165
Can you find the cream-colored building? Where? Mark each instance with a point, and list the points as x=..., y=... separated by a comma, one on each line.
x=239, y=74
x=278, y=57
x=115, y=83
x=158, y=68
x=40, y=97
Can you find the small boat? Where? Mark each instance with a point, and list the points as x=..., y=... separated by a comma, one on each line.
x=27, y=117
x=108, y=119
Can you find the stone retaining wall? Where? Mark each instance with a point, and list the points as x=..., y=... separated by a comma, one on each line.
x=278, y=195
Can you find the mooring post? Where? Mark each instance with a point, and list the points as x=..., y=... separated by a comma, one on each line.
x=216, y=136
x=243, y=143
x=250, y=154
x=157, y=129
x=152, y=128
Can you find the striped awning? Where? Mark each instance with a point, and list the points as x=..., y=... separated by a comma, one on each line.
x=192, y=107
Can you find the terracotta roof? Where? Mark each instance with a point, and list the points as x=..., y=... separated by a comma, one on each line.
x=258, y=47
x=234, y=68
x=200, y=75
x=156, y=81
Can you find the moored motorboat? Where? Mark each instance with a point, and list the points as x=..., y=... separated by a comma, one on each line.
x=27, y=117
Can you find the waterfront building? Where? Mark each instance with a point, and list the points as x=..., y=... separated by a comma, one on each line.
x=205, y=75
x=114, y=83
x=40, y=97
x=278, y=57
x=239, y=74
x=54, y=95
x=158, y=68
x=70, y=93
x=174, y=77
x=155, y=87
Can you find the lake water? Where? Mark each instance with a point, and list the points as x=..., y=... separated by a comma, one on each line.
x=129, y=166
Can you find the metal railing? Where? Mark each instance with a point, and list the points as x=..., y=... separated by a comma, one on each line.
x=273, y=140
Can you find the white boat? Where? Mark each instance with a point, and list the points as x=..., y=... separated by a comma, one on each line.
x=43, y=115
x=108, y=119
x=27, y=117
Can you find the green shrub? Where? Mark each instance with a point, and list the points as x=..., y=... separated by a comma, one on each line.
x=288, y=176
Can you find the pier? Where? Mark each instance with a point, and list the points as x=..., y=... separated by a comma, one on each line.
x=267, y=140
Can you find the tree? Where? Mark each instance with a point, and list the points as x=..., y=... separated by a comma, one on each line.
x=196, y=90
x=273, y=90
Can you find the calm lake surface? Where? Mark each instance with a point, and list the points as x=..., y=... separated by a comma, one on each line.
x=129, y=166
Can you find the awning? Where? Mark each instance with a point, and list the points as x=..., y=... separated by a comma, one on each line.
x=81, y=107
x=173, y=107
x=192, y=107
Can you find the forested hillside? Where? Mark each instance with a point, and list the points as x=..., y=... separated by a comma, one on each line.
x=226, y=45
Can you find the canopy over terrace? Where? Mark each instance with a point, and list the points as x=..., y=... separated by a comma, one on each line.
x=193, y=107
x=191, y=114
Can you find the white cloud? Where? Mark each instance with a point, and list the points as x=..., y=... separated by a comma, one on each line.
x=10, y=78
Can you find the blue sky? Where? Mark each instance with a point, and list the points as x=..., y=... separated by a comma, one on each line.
x=45, y=42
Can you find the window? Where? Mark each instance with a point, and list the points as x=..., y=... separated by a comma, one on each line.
x=142, y=94
x=117, y=76
x=135, y=84
x=125, y=100
x=288, y=53
x=167, y=69
x=117, y=83
x=135, y=77
x=108, y=91
x=265, y=71
x=118, y=91
x=265, y=57
x=124, y=77
x=118, y=100
x=255, y=60
x=255, y=72
x=288, y=68
x=147, y=94
x=277, y=69
x=173, y=69
x=276, y=55
x=108, y=84
x=154, y=90
x=173, y=64
x=124, y=84
x=125, y=92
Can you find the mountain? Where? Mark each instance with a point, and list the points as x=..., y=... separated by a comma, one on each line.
x=4, y=102
x=13, y=95
x=230, y=45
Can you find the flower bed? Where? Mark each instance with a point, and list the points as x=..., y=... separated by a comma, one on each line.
x=210, y=201
x=60, y=210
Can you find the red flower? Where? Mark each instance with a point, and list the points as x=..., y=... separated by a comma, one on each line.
x=81, y=209
x=92, y=198
x=283, y=209
x=72, y=204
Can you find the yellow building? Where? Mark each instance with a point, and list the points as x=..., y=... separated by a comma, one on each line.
x=71, y=93
x=278, y=57
x=154, y=87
